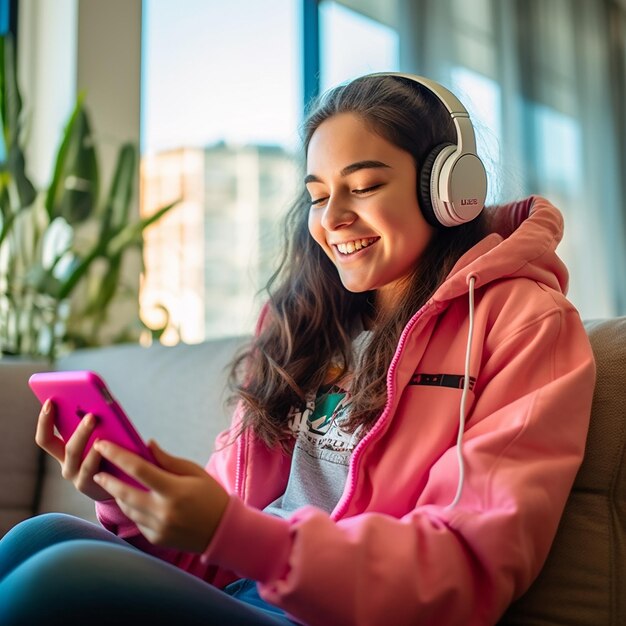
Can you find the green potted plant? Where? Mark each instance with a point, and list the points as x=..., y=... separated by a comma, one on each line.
x=64, y=240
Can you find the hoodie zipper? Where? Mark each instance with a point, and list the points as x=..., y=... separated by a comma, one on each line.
x=348, y=493
x=242, y=444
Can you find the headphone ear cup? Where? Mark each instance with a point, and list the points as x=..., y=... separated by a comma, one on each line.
x=427, y=186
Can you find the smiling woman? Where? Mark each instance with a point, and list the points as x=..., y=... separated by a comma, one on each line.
x=415, y=375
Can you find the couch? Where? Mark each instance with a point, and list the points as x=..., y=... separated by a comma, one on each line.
x=174, y=394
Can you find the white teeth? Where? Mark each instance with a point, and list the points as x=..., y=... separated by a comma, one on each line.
x=353, y=246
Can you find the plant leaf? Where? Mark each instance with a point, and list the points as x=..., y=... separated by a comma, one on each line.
x=11, y=154
x=42, y=281
x=117, y=205
x=73, y=191
x=107, y=288
x=16, y=165
x=8, y=215
x=11, y=100
x=132, y=233
x=80, y=269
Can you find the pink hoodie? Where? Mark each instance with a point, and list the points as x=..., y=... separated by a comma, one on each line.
x=394, y=551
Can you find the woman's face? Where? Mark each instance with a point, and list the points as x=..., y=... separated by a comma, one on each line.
x=364, y=211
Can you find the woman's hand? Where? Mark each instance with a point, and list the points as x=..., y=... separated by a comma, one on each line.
x=183, y=505
x=74, y=468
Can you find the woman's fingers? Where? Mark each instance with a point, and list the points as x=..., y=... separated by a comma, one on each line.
x=135, y=503
x=174, y=464
x=75, y=447
x=141, y=470
x=84, y=480
x=44, y=435
x=70, y=456
x=144, y=522
x=89, y=466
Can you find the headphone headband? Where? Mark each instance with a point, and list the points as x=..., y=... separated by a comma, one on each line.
x=453, y=184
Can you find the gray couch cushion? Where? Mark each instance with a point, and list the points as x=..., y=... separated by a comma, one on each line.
x=19, y=461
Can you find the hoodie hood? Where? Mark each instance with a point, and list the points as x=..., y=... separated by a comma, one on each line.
x=522, y=241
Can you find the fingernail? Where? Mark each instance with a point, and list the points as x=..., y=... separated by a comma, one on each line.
x=46, y=406
x=89, y=420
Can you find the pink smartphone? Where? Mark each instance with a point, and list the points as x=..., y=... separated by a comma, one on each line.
x=77, y=393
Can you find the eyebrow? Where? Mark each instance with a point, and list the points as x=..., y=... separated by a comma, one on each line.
x=349, y=169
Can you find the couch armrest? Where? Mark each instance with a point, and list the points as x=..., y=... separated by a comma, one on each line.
x=584, y=577
x=20, y=458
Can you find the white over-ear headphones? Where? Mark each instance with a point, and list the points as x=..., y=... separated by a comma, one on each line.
x=453, y=182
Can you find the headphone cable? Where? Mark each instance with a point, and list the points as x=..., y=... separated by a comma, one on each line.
x=462, y=410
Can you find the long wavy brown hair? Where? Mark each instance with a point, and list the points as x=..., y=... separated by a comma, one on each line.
x=311, y=316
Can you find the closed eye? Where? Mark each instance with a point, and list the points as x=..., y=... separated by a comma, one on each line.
x=355, y=191
x=366, y=190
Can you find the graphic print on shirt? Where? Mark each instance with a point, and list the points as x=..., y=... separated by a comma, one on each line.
x=319, y=428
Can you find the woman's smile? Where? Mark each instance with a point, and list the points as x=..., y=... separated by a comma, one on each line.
x=349, y=249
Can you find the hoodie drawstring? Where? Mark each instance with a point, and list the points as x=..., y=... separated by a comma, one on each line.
x=466, y=384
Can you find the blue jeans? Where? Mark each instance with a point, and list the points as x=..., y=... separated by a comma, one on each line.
x=56, y=569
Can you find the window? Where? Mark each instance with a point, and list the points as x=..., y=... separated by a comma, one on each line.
x=560, y=176
x=220, y=108
x=352, y=44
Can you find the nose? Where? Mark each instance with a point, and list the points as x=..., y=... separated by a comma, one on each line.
x=336, y=215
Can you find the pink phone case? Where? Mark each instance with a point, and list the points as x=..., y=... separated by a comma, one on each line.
x=77, y=393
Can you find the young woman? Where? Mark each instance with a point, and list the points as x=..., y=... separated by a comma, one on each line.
x=412, y=411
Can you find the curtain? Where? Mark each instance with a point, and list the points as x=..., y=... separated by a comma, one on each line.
x=545, y=83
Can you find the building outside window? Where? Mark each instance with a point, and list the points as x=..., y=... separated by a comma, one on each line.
x=220, y=106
